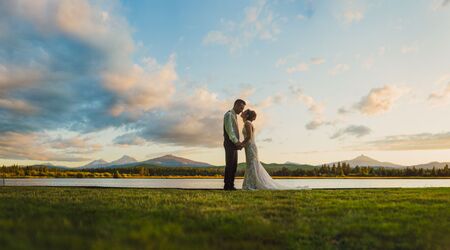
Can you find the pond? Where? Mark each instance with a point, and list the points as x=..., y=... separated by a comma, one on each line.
x=218, y=183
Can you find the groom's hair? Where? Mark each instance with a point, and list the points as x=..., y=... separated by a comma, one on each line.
x=239, y=101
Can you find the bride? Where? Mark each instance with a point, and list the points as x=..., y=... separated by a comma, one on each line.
x=256, y=177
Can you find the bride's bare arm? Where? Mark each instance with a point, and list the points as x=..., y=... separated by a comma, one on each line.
x=249, y=134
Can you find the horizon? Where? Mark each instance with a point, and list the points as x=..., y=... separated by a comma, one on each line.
x=241, y=162
x=86, y=80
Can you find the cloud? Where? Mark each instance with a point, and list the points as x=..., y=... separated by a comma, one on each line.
x=75, y=145
x=259, y=23
x=19, y=106
x=191, y=120
x=339, y=68
x=38, y=146
x=441, y=97
x=298, y=68
x=142, y=87
x=379, y=100
x=315, y=109
x=424, y=141
x=353, y=130
x=300, y=17
x=439, y=4
x=129, y=139
x=343, y=111
x=317, y=60
x=73, y=68
x=351, y=16
x=410, y=48
x=270, y=101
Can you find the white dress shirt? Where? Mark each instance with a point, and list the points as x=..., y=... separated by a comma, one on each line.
x=230, y=124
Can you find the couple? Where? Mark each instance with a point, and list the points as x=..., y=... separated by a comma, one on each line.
x=256, y=177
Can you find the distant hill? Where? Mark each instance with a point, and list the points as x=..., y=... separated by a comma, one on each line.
x=279, y=166
x=96, y=164
x=163, y=161
x=123, y=160
x=435, y=164
x=49, y=166
x=174, y=161
x=365, y=161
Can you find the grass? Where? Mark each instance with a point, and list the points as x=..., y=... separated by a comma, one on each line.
x=108, y=218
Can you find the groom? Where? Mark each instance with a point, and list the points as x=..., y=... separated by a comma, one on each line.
x=231, y=143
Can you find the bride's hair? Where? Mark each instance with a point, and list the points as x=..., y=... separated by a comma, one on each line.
x=251, y=115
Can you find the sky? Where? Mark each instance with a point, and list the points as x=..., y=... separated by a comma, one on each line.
x=82, y=80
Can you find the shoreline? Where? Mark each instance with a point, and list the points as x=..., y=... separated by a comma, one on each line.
x=221, y=177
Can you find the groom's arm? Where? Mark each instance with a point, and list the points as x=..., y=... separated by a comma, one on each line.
x=229, y=128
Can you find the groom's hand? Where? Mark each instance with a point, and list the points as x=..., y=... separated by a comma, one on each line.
x=239, y=145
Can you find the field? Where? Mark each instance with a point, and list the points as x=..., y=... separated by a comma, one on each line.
x=107, y=218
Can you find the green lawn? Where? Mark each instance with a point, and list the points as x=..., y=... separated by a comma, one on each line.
x=107, y=218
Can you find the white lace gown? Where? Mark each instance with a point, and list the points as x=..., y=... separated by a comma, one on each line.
x=256, y=176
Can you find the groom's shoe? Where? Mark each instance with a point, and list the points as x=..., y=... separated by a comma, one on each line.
x=228, y=188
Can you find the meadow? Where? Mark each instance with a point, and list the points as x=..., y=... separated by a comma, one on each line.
x=109, y=218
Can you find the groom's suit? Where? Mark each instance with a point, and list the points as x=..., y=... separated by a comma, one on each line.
x=231, y=137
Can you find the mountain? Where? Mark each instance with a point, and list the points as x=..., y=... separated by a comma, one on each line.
x=122, y=161
x=50, y=166
x=96, y=164
x=279, y=166
x=174, y=161
x=292, y=163
x=365, y=161
x=435, y=164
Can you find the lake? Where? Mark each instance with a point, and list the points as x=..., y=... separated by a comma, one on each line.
x=218, y=183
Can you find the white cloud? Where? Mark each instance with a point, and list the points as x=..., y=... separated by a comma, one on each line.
x=294, y=66
x=19, y=106
x=40, y=146
x=301, y=67
x=380, y=100
x=315, y=109
x=353, y=130
x=193, y=119
x=439, y=4
x=441, y=97
x=142, y=87
x=410, y=48
x=300, y=17
x=259, y=23
x=339, y=68
x=73, y=68
x=129, y=139
x=351, y=16
x=317, y=60
x=424, y=141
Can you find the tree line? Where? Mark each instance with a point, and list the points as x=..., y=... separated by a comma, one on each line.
x=334, y=170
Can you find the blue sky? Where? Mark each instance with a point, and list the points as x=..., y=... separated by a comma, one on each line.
x=83, y=80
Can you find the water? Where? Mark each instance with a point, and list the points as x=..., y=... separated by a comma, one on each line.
x=218, y=183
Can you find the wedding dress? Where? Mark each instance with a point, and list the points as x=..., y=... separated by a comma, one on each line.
x=256, y=176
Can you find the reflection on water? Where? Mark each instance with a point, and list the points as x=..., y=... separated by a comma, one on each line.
x=218, y=183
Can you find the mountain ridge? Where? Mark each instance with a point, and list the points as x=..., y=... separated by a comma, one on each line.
x=365, y=161
x=175, y=161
